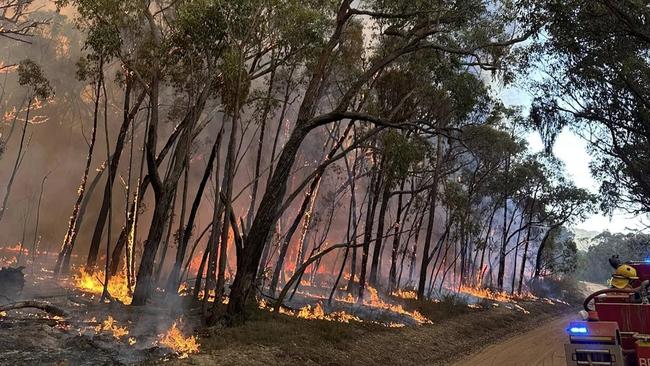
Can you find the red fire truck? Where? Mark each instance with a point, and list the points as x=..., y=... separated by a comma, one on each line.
x=616, y=326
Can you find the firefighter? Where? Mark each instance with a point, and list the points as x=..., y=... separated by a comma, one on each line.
x=623, y=277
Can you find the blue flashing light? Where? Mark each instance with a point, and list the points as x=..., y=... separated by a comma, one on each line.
x=578, y=330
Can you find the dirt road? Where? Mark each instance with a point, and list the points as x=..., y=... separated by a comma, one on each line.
x=543, y=346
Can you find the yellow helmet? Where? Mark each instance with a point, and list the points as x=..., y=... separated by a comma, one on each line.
x=624, y=273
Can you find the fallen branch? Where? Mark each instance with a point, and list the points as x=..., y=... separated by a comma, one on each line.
x=41, y=305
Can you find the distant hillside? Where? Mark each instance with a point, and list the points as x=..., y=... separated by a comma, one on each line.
x=583, y=238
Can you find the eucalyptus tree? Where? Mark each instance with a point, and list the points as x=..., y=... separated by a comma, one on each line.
x=405, y=27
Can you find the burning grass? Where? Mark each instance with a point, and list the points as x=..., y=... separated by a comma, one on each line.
x=487, y=294
x=315, y=312
x=347, y=308
x=177, y=342
x=110, y=326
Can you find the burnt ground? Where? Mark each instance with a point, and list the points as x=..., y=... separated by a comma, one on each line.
x=33, y=337
x=285, y=340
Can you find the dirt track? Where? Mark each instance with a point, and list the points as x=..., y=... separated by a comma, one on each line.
x=543, y=346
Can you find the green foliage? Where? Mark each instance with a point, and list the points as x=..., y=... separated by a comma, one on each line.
x=104, y=40
x=401, y=154
x=236, y=82
x=31, y=75
x=598, y=83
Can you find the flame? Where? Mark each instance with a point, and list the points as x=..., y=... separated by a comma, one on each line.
x=376, y=302
x=117, y=285
x=176, y=341
x=405, y=294
x=317, y=312
x=109, y=325
x=488, y=294
x=132, y=341
x=314, y=313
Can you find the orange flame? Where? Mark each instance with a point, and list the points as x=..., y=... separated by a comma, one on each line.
x=405, y=294
x=488, y=294
x=92, y=283
x=110, y=325
x=176, y=341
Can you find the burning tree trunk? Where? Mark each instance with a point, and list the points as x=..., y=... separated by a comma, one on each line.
x=63, y=260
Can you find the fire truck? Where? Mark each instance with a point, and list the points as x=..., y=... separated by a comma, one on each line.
x=615, y=325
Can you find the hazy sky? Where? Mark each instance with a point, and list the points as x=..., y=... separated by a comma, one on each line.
x=572, y=150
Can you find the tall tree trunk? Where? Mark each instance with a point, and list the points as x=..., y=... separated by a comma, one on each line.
x=514, y=263
x=373, y=198
x=352, y=216
x=264, y=220
x=38, y=219
x=266, y=216
x=528, y=229
x=228, y=182
x=504, y=242
x=211, y=254
x=540, y=250
x=163, y=192
x=392, y=273
x=63, y=259
x=431, y=222
x=260, y=148
x=19, y=158
x=381, y=220
x=128, y=116
x=173, y=280
x=170, y=228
